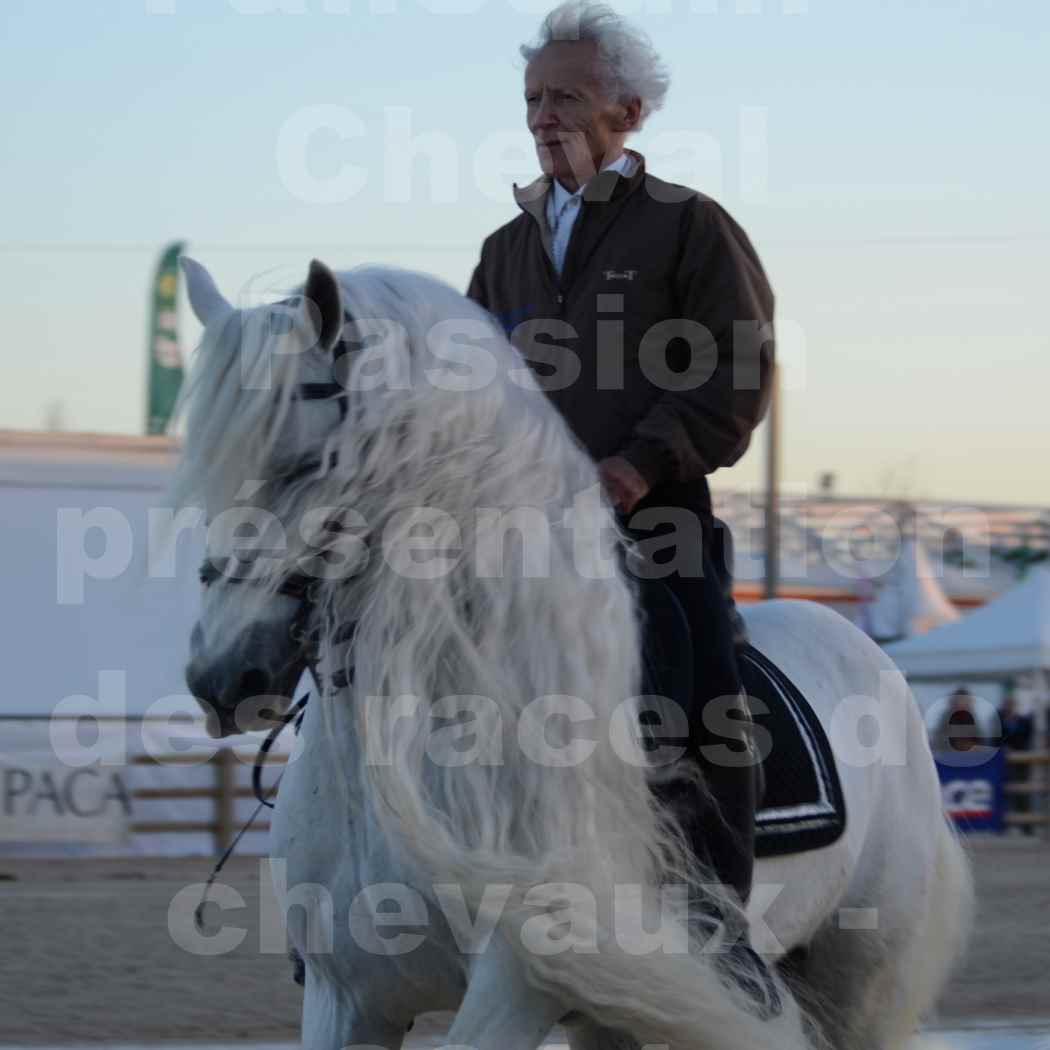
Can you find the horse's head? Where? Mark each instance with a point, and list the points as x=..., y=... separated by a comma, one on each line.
x=262, y=406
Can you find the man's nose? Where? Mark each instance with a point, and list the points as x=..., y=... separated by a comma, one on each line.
x=544, y=115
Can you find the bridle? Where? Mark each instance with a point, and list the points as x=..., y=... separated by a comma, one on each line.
x=297, y=585
x=332, y=390
x=303, y=630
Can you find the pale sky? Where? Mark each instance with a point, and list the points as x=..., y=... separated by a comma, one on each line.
x=888, y=159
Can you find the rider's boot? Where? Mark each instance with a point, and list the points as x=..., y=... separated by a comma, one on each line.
x=719, y=824
x=734, y=778
x=728, y=837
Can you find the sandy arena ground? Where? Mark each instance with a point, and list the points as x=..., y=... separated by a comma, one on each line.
x=87, y=956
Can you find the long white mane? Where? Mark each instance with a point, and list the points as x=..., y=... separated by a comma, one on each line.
x=429, y=458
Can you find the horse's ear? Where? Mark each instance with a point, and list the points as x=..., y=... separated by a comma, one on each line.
x=205, y=297
x=323, y=305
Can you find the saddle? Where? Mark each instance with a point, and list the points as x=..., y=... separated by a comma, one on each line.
x=800, y=802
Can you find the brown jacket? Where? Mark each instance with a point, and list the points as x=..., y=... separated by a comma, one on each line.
x=652, y=271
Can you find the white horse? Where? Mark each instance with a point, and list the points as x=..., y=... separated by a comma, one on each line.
x=471, y=761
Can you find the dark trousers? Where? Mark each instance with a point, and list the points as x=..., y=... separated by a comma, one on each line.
x=721, y=827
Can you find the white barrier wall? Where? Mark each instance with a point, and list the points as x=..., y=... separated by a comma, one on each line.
x=95, y=621
x=84, y=614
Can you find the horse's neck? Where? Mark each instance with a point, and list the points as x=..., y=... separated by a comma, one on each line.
x=322, y=828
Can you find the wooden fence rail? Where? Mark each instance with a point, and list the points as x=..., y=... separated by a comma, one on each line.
x=223, y=795
x=1028, y=790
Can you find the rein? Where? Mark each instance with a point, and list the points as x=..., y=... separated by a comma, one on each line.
x=295, y=714
x=299, y=586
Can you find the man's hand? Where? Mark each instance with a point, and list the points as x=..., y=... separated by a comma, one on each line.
x=622, y=483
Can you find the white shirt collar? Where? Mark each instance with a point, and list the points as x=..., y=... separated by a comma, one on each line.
x=624, y=164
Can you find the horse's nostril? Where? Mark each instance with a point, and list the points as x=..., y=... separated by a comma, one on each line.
x=254, y=682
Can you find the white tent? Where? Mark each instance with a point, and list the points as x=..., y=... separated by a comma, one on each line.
x=909, y=599
x=1008, y=636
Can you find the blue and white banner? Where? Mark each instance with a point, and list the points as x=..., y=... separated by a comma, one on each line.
x=972, y=785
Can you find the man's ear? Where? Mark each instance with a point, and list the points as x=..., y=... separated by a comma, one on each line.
x=323, y=305
x=632, y=113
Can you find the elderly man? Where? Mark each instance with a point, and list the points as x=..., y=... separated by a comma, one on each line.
x=646, y=316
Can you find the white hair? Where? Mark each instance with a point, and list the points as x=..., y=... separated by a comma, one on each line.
x=629, y=65
x=425, y=442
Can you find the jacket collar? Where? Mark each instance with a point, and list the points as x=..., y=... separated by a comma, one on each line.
x=606, y=186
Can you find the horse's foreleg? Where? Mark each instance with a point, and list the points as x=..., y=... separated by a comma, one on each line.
x=334, y=1020
x=501, y=1010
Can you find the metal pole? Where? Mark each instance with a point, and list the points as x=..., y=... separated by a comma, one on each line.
x=772, y=522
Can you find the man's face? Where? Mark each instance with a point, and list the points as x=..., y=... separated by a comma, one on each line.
x=575, y=127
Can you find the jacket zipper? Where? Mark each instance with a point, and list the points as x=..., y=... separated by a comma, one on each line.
x=559, y=294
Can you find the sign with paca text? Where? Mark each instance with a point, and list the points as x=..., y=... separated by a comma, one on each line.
x=972, y=788
x=43, y=799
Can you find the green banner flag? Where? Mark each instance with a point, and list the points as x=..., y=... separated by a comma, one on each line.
x=165, y=360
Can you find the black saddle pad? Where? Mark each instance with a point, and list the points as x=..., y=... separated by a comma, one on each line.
x=802, y=807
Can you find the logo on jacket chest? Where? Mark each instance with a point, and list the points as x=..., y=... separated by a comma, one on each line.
x=620, y=275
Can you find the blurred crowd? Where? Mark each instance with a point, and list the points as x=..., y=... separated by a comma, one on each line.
x=1014, y=731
